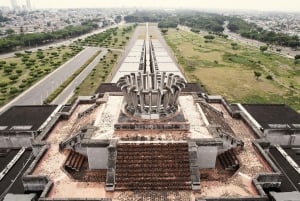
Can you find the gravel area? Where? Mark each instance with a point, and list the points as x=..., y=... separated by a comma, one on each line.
x=240, y=184
x=107, y=117
x=52, y=162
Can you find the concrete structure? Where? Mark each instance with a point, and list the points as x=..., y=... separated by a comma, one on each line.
x=28, y=4
x=21, y=124
x=151, y=96
x=117, y=140
x=14, y=4
x=278, y=123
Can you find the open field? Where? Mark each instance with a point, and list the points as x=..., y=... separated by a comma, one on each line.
x=228, y=69
x=20, y=72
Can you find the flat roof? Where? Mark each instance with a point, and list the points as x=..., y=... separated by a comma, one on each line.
x=14, y=175
x=25, y=118
x=274, y=115
x=291, y=178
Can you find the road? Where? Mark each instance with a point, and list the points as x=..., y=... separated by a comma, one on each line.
x=67, y=93
x=285, y=51
x=41, y=90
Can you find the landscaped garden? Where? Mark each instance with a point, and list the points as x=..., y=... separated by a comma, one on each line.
x=24, y=69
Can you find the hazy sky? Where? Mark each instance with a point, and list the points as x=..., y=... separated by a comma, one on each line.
x=281, y=5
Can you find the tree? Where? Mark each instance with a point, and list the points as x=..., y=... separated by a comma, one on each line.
x=164, y=31
x=210, y=37
x=9, y=31
x=234, y=46
x=257, y=74
x=297, y=56
x=263, y=48
x=13, y=77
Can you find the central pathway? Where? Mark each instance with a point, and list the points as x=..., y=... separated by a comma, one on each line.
x=131, y=59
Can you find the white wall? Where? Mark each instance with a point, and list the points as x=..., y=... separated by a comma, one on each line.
x=97, y=157
x=15, y=141
x=207, y=156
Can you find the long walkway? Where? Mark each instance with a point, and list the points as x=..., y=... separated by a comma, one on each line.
x=130, y=62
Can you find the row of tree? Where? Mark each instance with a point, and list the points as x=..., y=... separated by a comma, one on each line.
x=195, y=20
x=12, y=41
x=252, y=31
x=213, y=23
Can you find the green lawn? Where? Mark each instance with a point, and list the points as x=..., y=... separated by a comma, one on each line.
x=104, y=68
x=229, y=71
x=26, y=68
x=111, y=38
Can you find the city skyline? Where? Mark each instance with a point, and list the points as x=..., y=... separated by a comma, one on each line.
x=277, y=5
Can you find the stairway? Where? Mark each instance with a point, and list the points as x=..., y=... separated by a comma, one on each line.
x=74, y=160
x=229, y=160
x=152, y=167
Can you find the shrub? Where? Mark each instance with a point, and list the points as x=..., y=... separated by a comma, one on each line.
x=22, y=86
x=269, y=77
x=13, y=77
x=3, y=84
x=18, y=54
x=19, y=71
x=13, y=64
x=13, y=90
x=210, y=37
x=8, y=69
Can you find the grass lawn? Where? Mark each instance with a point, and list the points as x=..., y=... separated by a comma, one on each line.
x=104, y=68
x=111, y=38
x=229, y=71
x=20, y=72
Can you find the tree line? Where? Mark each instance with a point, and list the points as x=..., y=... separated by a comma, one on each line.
x=195, y=20
x=252, y=31
x=12, y=41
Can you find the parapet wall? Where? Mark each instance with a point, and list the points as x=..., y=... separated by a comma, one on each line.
x=75, y=199
x=16, y=140
x=35, y=183
x=256, y=198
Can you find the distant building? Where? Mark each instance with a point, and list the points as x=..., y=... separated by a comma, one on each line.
x=14, y=4
x=28, y=4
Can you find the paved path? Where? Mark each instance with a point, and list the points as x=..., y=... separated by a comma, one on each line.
x=36, y=94
x=68, y=92
x=168, y=49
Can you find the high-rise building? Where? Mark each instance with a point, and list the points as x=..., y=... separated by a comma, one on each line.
x=28, y=4
x=14, y=4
